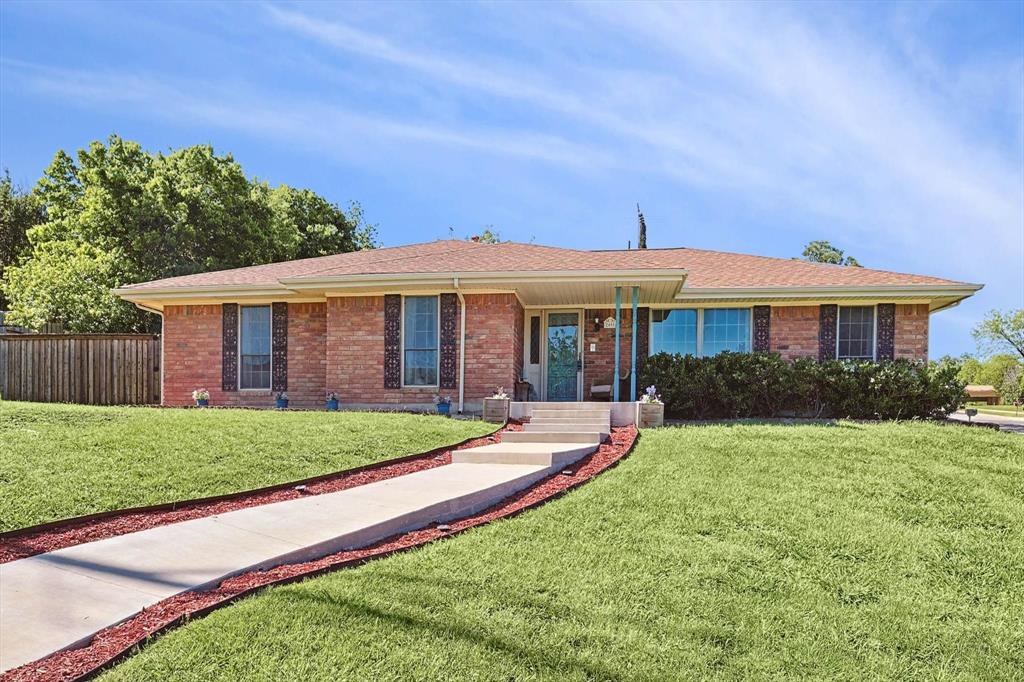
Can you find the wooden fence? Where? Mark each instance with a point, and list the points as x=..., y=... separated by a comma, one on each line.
x=95, y=369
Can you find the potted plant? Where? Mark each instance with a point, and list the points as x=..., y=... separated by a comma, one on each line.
x=496, y=407
x=201, y=396
x=281, y=400
x=650, y=410
x=332, y=401
x=444, y=404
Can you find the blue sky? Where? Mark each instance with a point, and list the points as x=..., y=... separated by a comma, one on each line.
x=894, y=130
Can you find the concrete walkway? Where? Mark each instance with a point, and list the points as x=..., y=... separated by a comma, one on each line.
x=61, y=599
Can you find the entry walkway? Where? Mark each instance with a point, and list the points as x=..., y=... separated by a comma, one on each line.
x=60, y=599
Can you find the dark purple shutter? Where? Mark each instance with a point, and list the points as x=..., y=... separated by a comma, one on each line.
x=392, y=341
x=535, y=340
x=762, y=328
x=448, y=340
x=828, y=317
x=643, y=335
x=229, y=347
x=886, y=331
x=279, y=348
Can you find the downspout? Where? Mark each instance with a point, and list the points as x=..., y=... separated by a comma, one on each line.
x=462, y=344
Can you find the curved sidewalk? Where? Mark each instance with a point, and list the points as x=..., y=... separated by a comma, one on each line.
x=60, y=599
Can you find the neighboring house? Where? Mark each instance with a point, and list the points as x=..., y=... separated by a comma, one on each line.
x=392, y=327
x=981, y=393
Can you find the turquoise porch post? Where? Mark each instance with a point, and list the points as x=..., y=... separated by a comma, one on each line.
x=618, y=319
x=632, y=364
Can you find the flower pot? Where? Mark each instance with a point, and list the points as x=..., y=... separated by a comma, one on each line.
x=496, y=410
x=332, y=404
x=650, y=415
x=281, y=403
x=202, y=403
x=444, y=408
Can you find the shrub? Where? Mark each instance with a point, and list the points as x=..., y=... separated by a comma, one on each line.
x=732, y=385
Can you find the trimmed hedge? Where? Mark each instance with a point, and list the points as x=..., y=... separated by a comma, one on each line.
x=732, y=385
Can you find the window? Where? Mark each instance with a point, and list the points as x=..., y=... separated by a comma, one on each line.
x=254, y=345
x=674, y=331
x=726, y=329
x=856, y=335
x=419, y=329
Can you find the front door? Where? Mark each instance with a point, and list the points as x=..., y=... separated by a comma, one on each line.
x=563, y=357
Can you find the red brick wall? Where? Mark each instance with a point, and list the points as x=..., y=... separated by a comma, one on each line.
x=793, y=332
x=494, y=343
x=912, y=331
x=599, y=366
x=192, y=357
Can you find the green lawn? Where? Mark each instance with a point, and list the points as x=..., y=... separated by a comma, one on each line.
x=1001, y=410
x=58, y=461
x=731, y=552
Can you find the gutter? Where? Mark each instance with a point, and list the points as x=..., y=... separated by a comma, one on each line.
x=462, y=344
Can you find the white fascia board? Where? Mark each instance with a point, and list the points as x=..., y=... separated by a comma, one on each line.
x=502, y=277
x=899, y=291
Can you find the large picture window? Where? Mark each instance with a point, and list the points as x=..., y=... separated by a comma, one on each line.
x=254, y=347
x=419, y=341
x=726, y=329
x=674, y=331
x=856, y=335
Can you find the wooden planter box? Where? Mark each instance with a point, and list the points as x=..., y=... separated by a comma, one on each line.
x=496, y=410
x=649, y=415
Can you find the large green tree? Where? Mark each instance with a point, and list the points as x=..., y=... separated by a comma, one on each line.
x=1001, y=331
x=117, y=214
x=20, y=211
x=821, y=251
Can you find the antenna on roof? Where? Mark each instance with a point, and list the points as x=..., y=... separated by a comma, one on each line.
x=629, y=244
x=641, y=241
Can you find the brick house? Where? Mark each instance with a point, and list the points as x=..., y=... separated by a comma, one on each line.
x=393, y=327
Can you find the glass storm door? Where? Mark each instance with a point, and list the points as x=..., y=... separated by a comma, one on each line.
x=563, y=356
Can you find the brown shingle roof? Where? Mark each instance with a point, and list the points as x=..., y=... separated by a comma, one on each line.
x=707, y=269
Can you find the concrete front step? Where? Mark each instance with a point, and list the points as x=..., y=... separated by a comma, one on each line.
x=583, y=436
x=565, y=428
x=596, y=422
x=548, y=454
x=572, y=414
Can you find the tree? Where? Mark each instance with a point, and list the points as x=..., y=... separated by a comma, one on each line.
x=1012, y=389
x=120, y=214
x=20, y=211
x=488, y=236
x=1001, y=331
x=821, y=251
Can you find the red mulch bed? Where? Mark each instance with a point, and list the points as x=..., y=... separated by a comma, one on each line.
x=48, y=537
x=116, y=643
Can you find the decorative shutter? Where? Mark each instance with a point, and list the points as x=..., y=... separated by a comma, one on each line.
x=643, y=335
x=535, y=340
x=885, y=341
x=448, y=339
x=828, y=319
x=392, y=341
x=229, y=347
x=279, y=347
x=762, y=328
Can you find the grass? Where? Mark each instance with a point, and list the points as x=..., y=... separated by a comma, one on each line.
x=852, y=551
x=58, y=461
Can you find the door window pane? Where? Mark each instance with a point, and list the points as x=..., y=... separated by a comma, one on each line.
x=674, y=331
x=563, y=356
x=420, y=339
x=726, y=329
x=254, y=342
x=856, y=333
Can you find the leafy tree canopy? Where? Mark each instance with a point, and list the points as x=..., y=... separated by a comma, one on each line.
x=989, y=371
x=19, y=212
x=118, y=214
x=1001, y=332
x=821, y=251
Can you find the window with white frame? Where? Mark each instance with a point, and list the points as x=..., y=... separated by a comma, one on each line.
x=726, y=329
x=254, y=347
x=419, y=340
x=674, y=331
x=856, y=334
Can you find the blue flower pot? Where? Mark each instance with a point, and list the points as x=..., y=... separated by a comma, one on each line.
x=281, y=403
x=332, y=405
x=444, y=408
x=202, y=403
